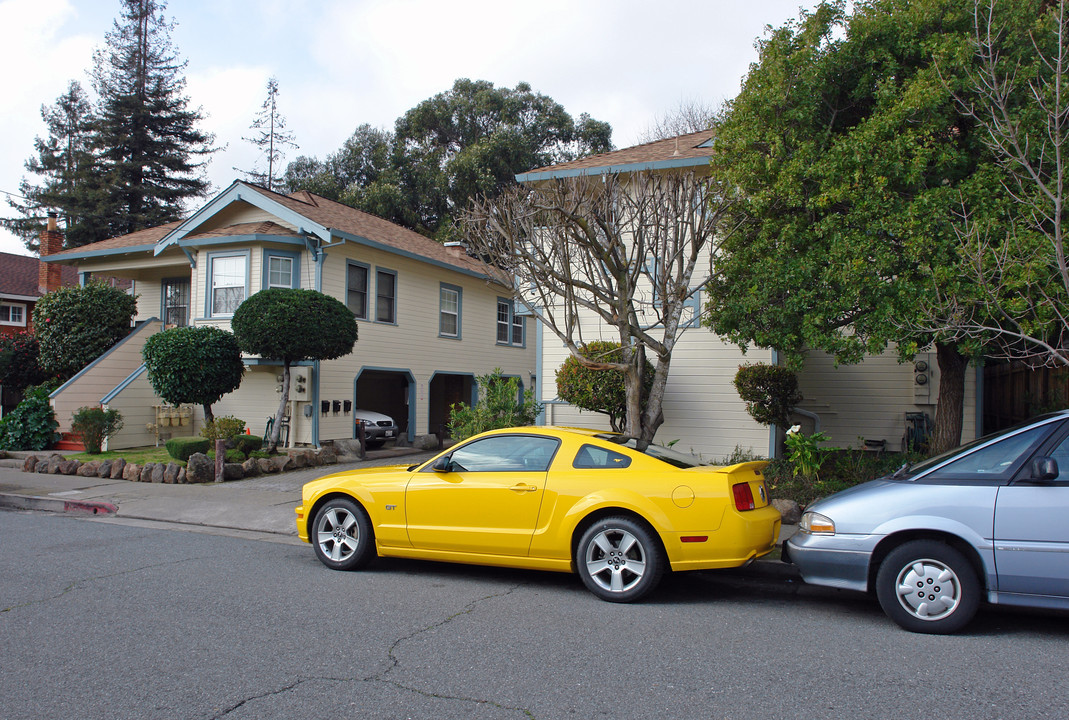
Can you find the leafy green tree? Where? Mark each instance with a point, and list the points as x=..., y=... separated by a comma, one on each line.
x=850, y=156
x=76, y=325
x=145, y=137
x=599, y=390
x=69, y=180
x=270, y=136
x=274, y=324
x=499, y=406
x=20, y=361
x=193, y=365
x=468, y=141
x=1012, y=235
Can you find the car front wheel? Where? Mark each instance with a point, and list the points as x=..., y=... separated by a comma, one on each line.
x=926, y=586
x=619, y=560
x=342, y=535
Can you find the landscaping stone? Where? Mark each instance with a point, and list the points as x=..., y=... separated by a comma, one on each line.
x=327, y=456
x=67, y=467
x=41, y=467
x=232, y=471
x=146, y=472
x=182, y=476
x=132, y=472
x=281, y=462
x=170, y=473
x=251, y=467
x=789, y=510
x=300, y=460
x=200, y=469
x=157, y=472
x=105, y=469
x=117, y=467
x=88, y=469
x=53, y=464
x=29, y=464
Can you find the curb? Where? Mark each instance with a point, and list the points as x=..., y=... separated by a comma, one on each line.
x=48, y=504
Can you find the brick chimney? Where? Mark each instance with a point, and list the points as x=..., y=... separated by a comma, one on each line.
x=50, y=275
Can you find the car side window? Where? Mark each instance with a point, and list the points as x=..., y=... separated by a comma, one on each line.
x=593, y=457
x=505, y=453
x=995, y=461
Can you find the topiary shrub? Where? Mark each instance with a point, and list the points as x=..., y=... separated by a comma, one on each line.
x=181, y=448
x=193, y=365
x=770, y=393
x=247, y=443
x=223, y=428
x=76, y=325
x=95, y=425
x=261, y=454
x=233, y=455
x=32, y=425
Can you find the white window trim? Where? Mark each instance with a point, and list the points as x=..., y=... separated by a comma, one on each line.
x=209, y=310
x=23, y=311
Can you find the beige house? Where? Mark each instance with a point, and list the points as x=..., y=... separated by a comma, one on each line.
x=872, y=401
x=430, y=320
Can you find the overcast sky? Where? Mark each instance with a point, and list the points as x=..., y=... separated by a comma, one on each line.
x=341, y=63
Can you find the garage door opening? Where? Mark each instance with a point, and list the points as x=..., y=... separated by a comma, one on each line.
x=387, y=392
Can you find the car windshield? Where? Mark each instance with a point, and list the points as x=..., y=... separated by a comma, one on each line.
x=668, y=455
x=1009, y=451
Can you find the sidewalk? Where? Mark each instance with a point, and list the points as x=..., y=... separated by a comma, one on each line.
x=262, y=504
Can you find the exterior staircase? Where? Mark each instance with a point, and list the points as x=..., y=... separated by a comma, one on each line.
x=70, y=442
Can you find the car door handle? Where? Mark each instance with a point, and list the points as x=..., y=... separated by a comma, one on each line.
x=523, y=487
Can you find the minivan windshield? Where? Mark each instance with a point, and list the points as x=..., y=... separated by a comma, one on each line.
x=668, y=455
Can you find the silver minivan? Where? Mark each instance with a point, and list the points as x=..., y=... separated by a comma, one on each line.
x=989, y=520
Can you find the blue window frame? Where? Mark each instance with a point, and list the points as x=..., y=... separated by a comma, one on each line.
x=281, y=269
x=510, y=324
x=356, y=288
x=228, y=282
x=385, y=296
x=449, y=310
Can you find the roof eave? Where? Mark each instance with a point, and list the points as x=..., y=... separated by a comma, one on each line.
x=672, y=163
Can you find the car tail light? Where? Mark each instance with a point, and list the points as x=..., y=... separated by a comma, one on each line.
x=743, y=496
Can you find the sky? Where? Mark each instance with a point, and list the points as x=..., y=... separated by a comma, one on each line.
x=343, y=63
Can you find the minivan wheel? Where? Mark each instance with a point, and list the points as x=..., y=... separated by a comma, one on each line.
x=927, y=586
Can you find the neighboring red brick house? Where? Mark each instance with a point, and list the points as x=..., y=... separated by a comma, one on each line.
x=24, y=279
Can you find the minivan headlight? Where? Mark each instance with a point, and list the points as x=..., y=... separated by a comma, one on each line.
x=816, y=524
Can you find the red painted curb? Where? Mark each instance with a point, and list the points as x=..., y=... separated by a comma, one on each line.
x=89, y=507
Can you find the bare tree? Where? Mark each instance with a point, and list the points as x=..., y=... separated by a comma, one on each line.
x=625, y=254
x=1016, y=290
x=688, y=116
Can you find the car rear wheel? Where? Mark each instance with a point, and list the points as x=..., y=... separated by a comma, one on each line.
x=342, y=535
x=927, y=586
x=619, y=560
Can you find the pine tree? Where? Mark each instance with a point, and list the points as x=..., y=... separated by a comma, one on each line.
x=64, y=162
x=145, y=138
x=270, y=136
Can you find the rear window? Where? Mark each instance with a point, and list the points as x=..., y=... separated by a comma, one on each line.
x=668, y=455
x=593, y=457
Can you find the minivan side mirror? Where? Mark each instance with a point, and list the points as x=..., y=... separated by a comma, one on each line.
x=1044, y=469
x=445, y=464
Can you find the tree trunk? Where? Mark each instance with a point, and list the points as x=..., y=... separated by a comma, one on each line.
x=209, y=417
x=951, y=403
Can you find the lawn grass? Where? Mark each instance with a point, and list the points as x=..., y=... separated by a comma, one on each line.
x=137, y=456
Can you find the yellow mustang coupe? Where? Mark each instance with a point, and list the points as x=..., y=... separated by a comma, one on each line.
x=547, y=498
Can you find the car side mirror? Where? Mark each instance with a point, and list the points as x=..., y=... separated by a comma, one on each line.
x=443, y=464
x=1044, y=469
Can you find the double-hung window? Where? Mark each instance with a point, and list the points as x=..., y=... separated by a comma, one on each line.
x=449, y=310
x=509, y=324
x=356, y=277
x=229, y=281
x=12, y=314
x=385, y=296
x=281, y=269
